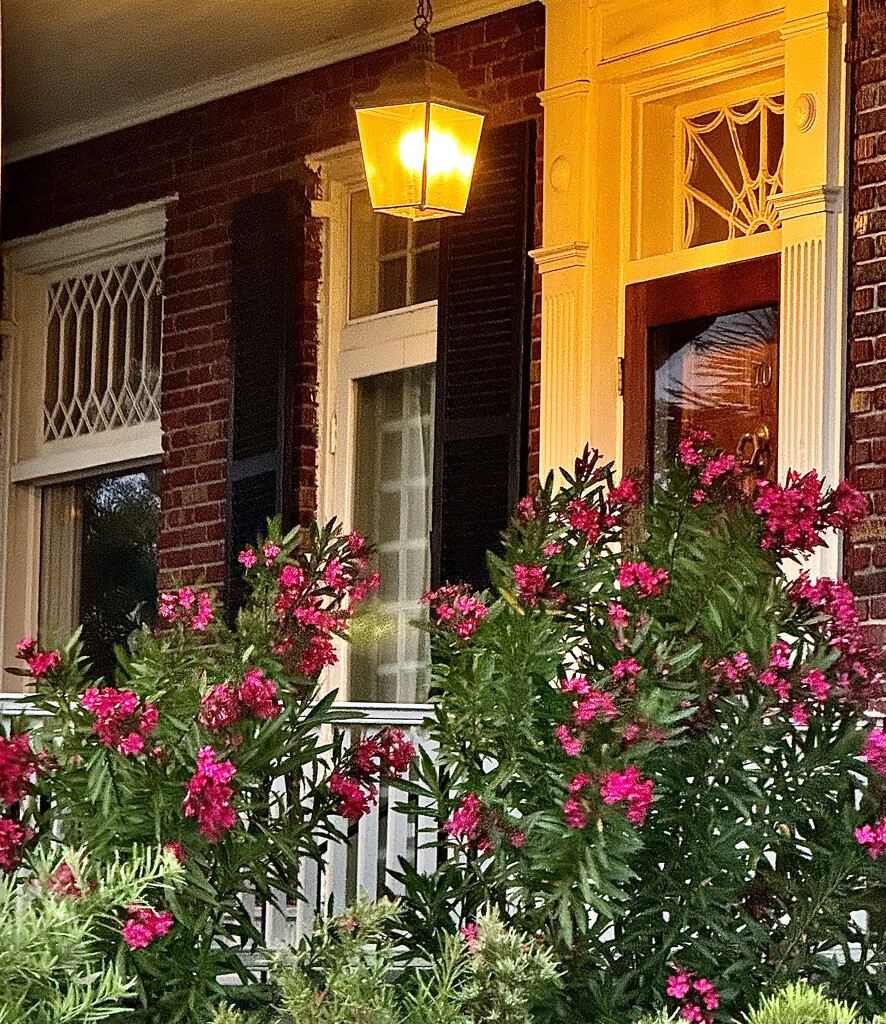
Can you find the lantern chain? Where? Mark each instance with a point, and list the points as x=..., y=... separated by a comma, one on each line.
x=424, y=15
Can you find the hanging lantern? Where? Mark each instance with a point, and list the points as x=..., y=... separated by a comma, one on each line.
x=419, y=132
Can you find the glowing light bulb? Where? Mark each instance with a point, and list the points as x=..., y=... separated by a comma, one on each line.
x=444, y=156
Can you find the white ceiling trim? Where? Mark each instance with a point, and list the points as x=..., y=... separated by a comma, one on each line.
x=457, y=13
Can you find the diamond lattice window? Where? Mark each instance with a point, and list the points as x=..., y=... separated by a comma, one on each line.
x=103, y=350
x=732, y=170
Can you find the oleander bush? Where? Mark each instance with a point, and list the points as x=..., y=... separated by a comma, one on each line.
x=210, y=743
x=654, y=746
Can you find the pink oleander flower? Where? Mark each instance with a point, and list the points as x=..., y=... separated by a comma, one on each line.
x=526, y=509
x=177, y=851
x=849, y=507
x=585, y=519
x=631, y=788
x=792, y=514
x=733, y=670
x=63, y=883
x=456, y=609
x=532, y=583
x=574, y=813
x=388, y=754
x=618, y=616
x=258, y=694
x=780, y=655
x=356, y=542
x=875, y=751
x=720, y=465
x=699, y=496
x=13, y=840
x=690, y=448
x=871, y=836
x=144, y=925
x=335, y=576
x=517, y=839
x=220, y=708
x=697, y=996
x=836, y=601
x=270, y=551
x=570, y=743
x=465, y=820
x=210, y=795
x=18, y=766
x=596, y=703
x=816, y=681
x=648, y=581
x=355, y=799
x=121, y=723
x=186, y=607
x=320, y=651
x=678, y=985
x=552, y=548
x=470, y=933
x=247, y=558
x=625, y=493
x=627, y=668
x=39, y=663
x=576, y=684
x=580, y=782
x=292, y=577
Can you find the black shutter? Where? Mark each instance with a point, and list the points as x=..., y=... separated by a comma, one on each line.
x=267, y=257
x=483, y=331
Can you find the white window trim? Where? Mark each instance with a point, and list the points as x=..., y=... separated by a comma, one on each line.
x=27, y=462
x=352, y=349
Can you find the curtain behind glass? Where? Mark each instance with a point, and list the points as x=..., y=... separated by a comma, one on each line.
x=392, y=506
x=61, y=531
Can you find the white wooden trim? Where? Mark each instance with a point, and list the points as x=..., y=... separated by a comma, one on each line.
x=72, y=249
x=76, y=456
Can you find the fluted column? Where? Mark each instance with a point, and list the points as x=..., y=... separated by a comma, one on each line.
x=567, y=399
x=812, y=374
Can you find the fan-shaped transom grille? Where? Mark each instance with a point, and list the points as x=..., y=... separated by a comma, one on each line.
x=733, y=168
x=103, y=350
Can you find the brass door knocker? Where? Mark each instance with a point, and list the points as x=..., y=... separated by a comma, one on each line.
x=754, y=450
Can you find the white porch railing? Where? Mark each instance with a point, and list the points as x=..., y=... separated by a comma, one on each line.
x=374, y=846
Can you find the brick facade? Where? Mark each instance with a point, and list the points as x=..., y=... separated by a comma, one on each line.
x=865, y=556
x=210, y=157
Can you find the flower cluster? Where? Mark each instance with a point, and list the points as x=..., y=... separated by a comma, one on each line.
x=697, y=997
x=796, y=514
x=588, y=705
x=13, y=839
x=648, y=581
x=190, y=609
x=532, y=584
x=39, y=662
x=18, y=766
x=144, y=924
x=586, y=520
x=224, y=705
x=456, y=609
x=628, y=787
x=477, y=825
x=209, y=796
x=121, y=722
x=873, y=837
x=387, y=755
x=63, y=883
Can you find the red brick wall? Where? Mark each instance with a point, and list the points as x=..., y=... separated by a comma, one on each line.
x=211, y=156
x=865, y=557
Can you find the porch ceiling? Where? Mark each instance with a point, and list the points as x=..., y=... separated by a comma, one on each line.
x=73, y=70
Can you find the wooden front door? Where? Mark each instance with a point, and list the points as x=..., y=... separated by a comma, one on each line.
x=701, y=352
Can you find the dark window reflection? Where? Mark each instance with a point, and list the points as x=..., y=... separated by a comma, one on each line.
x=118, y=563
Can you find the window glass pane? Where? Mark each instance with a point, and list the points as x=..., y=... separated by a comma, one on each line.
x=393, y=262
x=392, y=507
x=98, y=560
x=424, y=281
x=719, y=374
x=392, y=284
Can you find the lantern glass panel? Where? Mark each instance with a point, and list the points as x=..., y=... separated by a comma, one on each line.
x=453, y=139
x=392, y=181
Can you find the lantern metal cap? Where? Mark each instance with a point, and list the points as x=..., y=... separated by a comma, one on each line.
x=419, y=79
